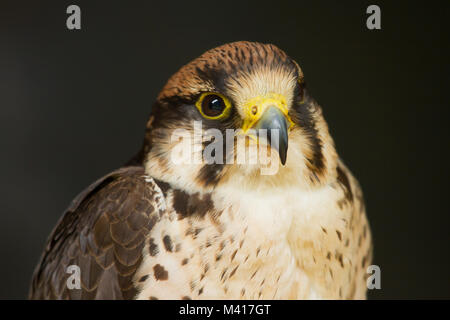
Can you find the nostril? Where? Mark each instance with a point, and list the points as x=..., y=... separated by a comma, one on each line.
x=254, y=110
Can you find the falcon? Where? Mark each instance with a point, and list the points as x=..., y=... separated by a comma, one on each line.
x=158, y=228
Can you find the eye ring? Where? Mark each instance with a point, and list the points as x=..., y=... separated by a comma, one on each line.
x=213, y=105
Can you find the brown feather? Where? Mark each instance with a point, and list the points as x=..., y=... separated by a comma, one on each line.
x=103, y=232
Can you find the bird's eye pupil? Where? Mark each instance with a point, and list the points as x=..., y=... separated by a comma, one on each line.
x=213, y=105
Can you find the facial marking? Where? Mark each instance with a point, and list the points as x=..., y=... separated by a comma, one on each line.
x=248, y=79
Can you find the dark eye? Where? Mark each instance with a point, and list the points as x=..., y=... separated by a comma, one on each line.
x=213, y=105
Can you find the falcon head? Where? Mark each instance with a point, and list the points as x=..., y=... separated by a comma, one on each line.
x=240, y=115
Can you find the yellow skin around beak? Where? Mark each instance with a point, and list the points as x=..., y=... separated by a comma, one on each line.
x=255, y=108
x=268, y=112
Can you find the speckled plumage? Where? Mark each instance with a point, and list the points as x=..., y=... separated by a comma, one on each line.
x=156, y=230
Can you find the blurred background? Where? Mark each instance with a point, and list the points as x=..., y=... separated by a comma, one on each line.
x=73, y=106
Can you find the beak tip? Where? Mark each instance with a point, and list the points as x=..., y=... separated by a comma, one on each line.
x=274, y=119
x=283, y=157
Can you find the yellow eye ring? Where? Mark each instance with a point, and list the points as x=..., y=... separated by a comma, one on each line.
x=213, y=106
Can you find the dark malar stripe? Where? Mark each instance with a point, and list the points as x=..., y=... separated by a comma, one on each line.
x=303, y=115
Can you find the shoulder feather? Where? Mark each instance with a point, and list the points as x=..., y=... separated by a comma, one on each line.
x=103, y=232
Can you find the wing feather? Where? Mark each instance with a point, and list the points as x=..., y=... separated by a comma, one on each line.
x=103, y=232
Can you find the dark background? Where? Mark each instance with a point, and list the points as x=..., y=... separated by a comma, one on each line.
x=73, y=106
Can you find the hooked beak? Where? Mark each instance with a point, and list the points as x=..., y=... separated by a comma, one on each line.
x=276, y=124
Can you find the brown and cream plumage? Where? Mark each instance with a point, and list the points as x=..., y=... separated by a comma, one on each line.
x=156, y=229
